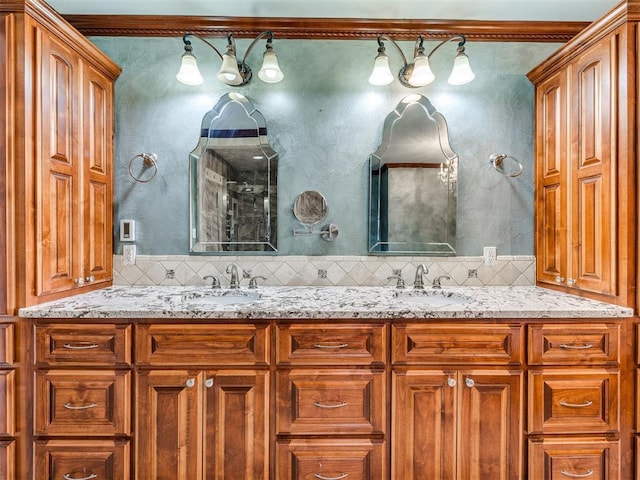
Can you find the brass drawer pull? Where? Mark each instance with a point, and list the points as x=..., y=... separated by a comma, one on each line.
x=324, y=345
x=588, y=403
x=577, y=475
x=81, y=346
x=576, y=347
x=70, y=406
x=66, y=476
x=322, y=477
x=324, y=405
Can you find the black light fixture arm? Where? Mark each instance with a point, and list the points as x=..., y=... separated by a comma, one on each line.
x=461, y=39
x=266, y=33
x=187, y=43
x=393, y=42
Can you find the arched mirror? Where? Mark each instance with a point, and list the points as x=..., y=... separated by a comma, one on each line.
x=233, y=181
x=413, y=183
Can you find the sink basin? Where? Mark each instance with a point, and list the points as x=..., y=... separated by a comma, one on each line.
x=433, y=298
x=220, y=297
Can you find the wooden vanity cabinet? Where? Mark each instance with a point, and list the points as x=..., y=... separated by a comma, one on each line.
x=82, y=400
x=585, y=163
x=457, y=401
x=203, y=401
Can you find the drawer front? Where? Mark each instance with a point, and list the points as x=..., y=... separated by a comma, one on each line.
x=574, y=344
x=567, y=458
x=331, y=402
x=83, y=345
x=86, y=459
x=7, y=415
x=469, y=344
x=87, y=403
x=581, y=401
x=364, y=344
x=202, y=345
x=6, y=345
x=330, y=459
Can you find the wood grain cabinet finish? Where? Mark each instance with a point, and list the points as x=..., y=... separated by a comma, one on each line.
x=559, y=458
x=318, y=344
x=78, y=460
x=331, y=459
x=574, y=344
x=212, y=425
x=7, y=459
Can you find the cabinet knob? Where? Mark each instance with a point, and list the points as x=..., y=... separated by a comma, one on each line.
x=469, y=382
x=559, y=279
x=191, y=382
x=571, y=281
x=79, y=281
x=208, y=382
x=451, y=382
x=90, y=278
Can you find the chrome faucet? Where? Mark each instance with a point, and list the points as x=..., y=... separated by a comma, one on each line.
x=398, y=277
x=436, y=281
x=253, y=283
x=215, y=281
x=421, y=271
x=233, y=270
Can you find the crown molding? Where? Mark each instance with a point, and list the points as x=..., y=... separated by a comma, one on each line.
x=323, y=28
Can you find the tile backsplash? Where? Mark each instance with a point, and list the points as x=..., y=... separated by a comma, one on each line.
x=323, y=270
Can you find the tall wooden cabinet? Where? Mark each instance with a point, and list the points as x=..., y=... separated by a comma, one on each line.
x=585, y=162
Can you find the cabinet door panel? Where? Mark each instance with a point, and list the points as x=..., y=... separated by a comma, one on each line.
x=7, y=390
x=490, y=432
x=169, y=425
x=57, y=190
x=423, y=439
x=7, y=459
x=236, y=425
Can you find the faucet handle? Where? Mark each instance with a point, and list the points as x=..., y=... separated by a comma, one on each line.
x=436, y=281
x=215, y=281
x=253, y=283
x=400, y=283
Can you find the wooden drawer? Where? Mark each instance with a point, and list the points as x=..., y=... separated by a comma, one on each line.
x=436, y=344
x=90, y=459
x=6, y=345
x=574, y=344
x=573, y=401
x=87, y=403
x=7, y=389
x=202, y=345
x=83, y=345
x=7, y=459
x=331, y=402
x=364, y=344
x=561, y=458
x=330, y=459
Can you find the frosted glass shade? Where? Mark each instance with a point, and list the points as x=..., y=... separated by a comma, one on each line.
x=381, y=73
x=229, y=73
x=189, y=73
x=270, y=71
x=461, y=72
x=421, y=74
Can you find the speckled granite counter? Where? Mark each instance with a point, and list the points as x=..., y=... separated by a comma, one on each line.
x=325, y=303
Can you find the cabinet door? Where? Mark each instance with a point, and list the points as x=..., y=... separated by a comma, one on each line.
x=552, y=145
x=57, y=164
x=593, y=157
x=97, y=152
x=236, y=425
x=168, y=425
x=490, y=431
x=423, y=425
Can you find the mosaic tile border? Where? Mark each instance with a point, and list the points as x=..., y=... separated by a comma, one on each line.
x=183, y=270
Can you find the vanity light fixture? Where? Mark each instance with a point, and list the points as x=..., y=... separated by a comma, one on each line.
x=232, y=72
x=418, y=73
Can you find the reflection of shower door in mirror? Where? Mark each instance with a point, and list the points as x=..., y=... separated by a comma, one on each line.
x=413, y=184
x=233, y=181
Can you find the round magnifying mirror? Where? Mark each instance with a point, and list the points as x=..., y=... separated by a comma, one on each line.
x=310, y=207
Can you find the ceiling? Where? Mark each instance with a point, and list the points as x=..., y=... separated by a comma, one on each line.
x=503, y=10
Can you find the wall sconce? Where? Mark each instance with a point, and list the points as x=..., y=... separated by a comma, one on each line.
x=232, y=72
x=418, y=73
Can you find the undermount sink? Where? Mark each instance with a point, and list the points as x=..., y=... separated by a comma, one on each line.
x=433, y=298
x=220, y=297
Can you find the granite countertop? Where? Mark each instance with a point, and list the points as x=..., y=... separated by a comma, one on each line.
x=325, y=303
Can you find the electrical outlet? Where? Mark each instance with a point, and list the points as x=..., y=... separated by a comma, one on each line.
x=489, y=256
x=128, y=255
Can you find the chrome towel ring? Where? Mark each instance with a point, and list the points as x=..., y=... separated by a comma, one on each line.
x=497, y=161
x=149, y=160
